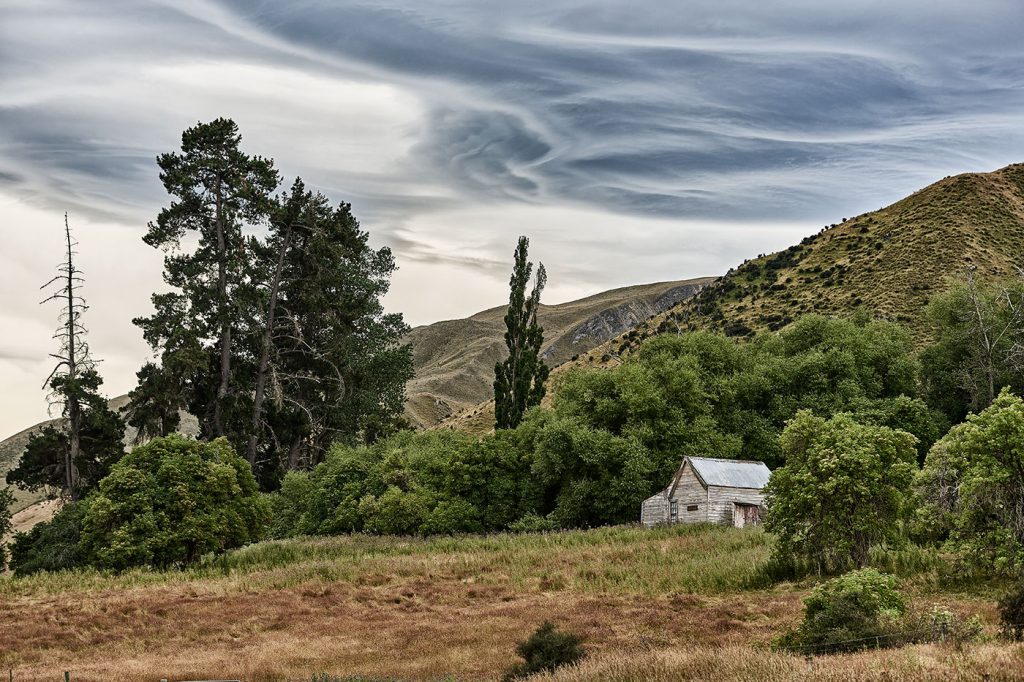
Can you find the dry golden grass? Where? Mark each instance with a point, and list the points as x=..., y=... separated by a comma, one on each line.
x=920, y=662
x=647, y=602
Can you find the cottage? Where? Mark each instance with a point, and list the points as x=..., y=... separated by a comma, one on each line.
x=706, y=490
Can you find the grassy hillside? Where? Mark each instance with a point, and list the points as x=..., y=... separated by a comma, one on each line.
x=651, y=604
x=887, y=263
x=454, y=359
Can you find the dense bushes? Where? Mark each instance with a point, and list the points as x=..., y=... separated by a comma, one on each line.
x=971, y=489
x=165, y=503
x=410, y=484
x=613, y=437
x=699, y=393
x=51, y=546
x=842, y=490
x=856, y=610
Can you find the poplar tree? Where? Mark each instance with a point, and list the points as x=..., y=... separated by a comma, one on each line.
x=519, y=379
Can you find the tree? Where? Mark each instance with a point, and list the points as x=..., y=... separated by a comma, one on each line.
x=217, y=191
x=171, y=501
x=6, y=500
x=73, y=358
x=972, y=488
x=339, y=368
x=281, y=344
x=43, y=464
x=841, y=491
x=73, y=456
x=978, y=345
x=153, y=405
x=289, y=210
x=519, y=379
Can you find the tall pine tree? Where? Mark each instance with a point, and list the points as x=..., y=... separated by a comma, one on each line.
x=519, y=379
x=218, y=191
x=339, y=369
x=280, y=343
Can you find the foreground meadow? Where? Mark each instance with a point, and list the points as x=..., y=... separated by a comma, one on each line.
x=675, y=603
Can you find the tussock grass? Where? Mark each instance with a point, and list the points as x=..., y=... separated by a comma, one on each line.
x=931, y=662
x=621, y=560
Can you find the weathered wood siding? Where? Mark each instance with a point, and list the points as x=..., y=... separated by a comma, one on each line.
x=691, y=493
x=722, y=500
x=655, y=510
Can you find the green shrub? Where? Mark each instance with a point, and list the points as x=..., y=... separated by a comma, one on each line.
x=289, y=504
x=171, y=501
x=939, y=624
x=855, y=610
x=1011, y=612
x=546, y=649
x=972, y=489
x=532, y=523
x=53, y=545
x=841, y=492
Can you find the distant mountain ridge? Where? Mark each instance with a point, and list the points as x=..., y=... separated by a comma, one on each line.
x=454, y=359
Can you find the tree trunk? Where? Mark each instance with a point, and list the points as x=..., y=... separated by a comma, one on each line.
x=261, y=374
x=294, y=452
x=225, y=322
x=74, y=409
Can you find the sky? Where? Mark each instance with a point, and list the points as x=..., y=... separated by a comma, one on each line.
x=632, y=140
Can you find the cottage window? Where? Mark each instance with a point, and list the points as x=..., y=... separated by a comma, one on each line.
x=691, y=507
x=675, y=510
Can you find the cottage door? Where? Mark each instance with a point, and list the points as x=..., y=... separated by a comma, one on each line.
x=744, y=515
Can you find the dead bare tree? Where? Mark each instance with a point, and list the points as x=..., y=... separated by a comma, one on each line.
x=994, y=333
x=73, y=358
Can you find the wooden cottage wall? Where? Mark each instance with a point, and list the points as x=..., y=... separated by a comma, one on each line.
x=655, y=510
x=722, y=500
x=690, y=492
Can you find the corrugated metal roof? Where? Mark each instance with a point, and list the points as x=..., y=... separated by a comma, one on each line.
x=731, y=473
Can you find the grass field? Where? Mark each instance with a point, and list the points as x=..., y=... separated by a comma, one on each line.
x=674, y=603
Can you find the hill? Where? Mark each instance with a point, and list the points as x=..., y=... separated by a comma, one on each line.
x=454, y=360
x=887, y=263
